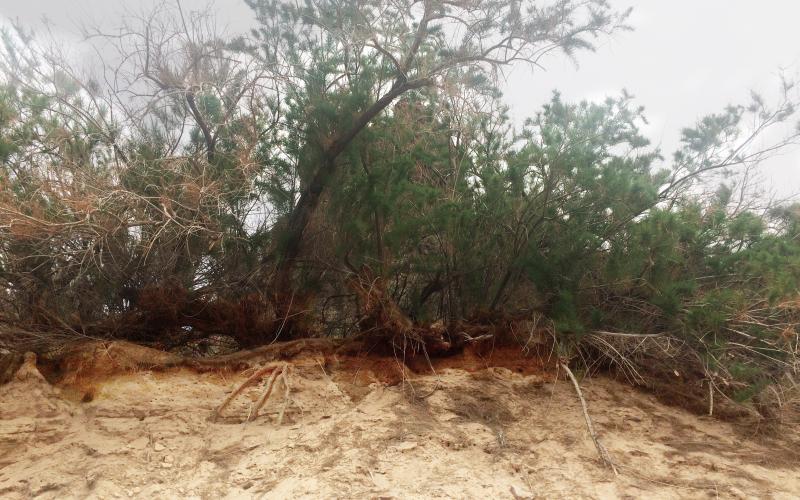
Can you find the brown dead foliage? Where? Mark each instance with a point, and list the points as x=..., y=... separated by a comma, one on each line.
x=167, y=316
x=671, y=371
x=163, y=316
x=82, y=365
x=172, y=309
x=387, y=347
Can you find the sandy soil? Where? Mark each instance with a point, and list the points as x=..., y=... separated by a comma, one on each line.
x=490, y=433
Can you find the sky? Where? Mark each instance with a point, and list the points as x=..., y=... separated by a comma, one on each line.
x=683, y=60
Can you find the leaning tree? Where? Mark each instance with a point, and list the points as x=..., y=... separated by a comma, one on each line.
x=346, y=62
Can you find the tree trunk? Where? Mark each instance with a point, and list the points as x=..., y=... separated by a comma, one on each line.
x=309, y=198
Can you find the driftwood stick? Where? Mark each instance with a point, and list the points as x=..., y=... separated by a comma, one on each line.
x=601, y=450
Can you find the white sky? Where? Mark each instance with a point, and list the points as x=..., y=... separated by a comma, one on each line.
x=685, y=59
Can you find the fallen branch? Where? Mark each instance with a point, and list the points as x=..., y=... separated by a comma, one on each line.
x=601, y=450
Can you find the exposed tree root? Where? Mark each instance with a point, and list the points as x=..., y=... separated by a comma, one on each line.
x=283, y=374
x=601, y=450
x=264, y=396
x=250, y=381
x=275, y=371
x=287, y=390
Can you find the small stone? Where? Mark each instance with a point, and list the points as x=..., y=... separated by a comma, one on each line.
x=408, y=445
x=91, y=478
x=159, y=447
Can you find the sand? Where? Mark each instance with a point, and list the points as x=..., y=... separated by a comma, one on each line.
x=487, y=433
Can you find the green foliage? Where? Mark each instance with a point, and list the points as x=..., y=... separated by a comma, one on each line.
x=455, y=212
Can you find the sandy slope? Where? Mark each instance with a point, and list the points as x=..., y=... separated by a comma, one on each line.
x=490, y=433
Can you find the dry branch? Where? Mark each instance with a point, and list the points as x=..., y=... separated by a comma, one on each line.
x=601, y=450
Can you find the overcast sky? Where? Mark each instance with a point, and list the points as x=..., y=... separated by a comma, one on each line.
x=684, y=59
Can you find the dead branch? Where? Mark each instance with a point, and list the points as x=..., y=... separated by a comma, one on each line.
x=601, y=450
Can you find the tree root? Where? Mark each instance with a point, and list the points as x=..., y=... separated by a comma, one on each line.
x=601, y=450
x=275, y=371
x=287, y=389
x=264, y=396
